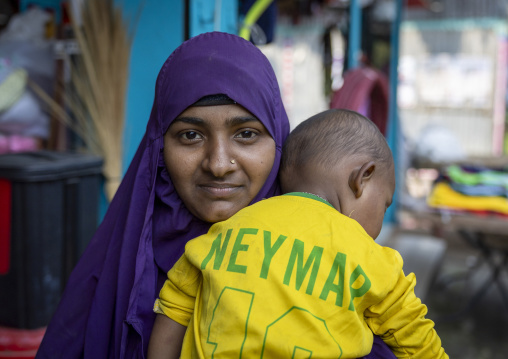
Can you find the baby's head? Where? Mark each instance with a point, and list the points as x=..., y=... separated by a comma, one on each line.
x=341, y=156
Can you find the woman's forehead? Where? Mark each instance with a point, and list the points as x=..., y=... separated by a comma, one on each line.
x=223, y=115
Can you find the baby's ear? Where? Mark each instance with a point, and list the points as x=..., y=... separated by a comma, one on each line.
x=360, y=176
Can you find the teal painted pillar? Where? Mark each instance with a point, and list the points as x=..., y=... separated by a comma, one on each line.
x=159, y=29
x=393, y=131
x=355, y=34
x=208, y=15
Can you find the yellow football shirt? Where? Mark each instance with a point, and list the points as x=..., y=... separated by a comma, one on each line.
x=291, y=277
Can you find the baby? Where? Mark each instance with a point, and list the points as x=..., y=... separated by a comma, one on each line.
x=300, y=275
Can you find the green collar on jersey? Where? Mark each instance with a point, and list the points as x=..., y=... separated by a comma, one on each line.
x=309, y=195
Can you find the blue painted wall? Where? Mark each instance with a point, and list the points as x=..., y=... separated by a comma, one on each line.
x=160, y=29
x=209, y=15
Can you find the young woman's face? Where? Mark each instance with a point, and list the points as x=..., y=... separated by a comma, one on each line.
x=218, y=158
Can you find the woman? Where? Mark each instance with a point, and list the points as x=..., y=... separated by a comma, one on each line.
x=216, y=168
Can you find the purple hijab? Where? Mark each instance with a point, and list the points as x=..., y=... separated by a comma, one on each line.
x=106, y=309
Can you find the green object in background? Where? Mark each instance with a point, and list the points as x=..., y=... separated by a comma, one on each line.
x=254, y=13
x=487, y=177
x=12, y=87
x=505, y=149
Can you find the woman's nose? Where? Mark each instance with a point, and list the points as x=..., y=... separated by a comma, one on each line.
x=219, y=159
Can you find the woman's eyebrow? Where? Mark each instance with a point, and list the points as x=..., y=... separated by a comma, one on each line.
x=190, y=120
x=233, y=121
x=239, y=120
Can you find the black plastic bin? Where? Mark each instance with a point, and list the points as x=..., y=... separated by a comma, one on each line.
x=48, y=213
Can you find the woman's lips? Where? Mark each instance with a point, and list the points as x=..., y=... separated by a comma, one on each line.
x=220, y=190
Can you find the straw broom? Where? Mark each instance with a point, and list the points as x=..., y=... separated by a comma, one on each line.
x=99, y=80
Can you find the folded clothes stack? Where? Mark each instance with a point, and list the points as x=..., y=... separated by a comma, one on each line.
x=471, y=188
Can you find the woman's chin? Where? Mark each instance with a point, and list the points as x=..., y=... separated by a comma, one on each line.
x=218, y=212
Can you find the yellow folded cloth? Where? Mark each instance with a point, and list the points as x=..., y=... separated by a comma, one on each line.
x=443, y=195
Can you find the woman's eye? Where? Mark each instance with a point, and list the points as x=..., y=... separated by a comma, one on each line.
x=247, y=134
x=191, y=135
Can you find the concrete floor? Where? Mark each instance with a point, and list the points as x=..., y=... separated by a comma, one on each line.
x=481, y=331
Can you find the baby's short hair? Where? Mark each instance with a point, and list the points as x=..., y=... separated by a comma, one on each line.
x=328, y=137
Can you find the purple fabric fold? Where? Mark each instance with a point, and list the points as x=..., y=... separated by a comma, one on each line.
x=379, y=350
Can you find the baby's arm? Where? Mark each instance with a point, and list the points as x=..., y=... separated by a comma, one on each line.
x=174, y=308
x=166, y=339
x=400, y=321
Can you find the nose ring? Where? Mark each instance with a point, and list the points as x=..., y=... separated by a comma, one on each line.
x=232, y=162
